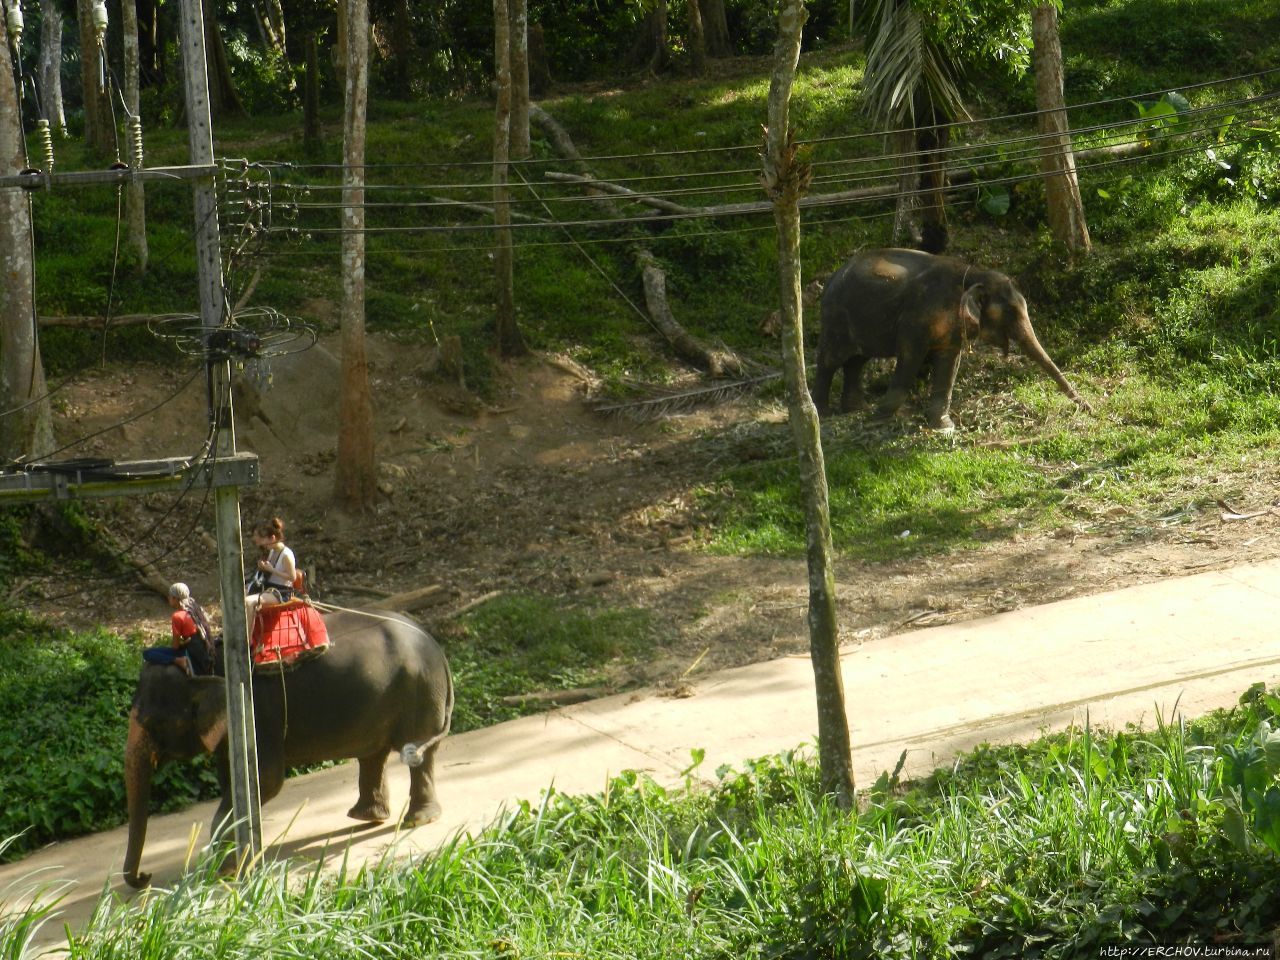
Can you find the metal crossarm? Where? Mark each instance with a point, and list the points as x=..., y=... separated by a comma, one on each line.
x=83, y=479
x=36, y=179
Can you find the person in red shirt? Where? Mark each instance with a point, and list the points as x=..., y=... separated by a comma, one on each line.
x=190, y=650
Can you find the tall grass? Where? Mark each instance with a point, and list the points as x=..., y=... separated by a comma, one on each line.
x=1078, y=840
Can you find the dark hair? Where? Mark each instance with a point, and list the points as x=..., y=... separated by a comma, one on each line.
x=270, y=528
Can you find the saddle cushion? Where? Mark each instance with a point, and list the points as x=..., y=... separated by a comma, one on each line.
x=285, y=633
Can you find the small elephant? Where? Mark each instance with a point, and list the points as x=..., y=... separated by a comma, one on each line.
x=384, y=685
x=919, y=308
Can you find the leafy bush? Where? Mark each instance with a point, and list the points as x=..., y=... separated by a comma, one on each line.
x=62, y=768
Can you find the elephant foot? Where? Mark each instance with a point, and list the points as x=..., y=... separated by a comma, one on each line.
x=943, y=424
x=428, y=813
x=373, y=813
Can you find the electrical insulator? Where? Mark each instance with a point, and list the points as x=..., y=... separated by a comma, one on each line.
x=13, y=21
x=45, y=135
x=100, y=19
x=135, y=140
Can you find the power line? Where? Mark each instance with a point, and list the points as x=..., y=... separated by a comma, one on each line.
x=1240, y=78
x=808, y=208
x=609, y=223
x=1188, y=124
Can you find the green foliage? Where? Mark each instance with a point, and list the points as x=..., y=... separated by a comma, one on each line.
x=62, y=767
x=524, y=643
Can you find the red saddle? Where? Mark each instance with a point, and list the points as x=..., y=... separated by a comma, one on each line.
x=287, y=633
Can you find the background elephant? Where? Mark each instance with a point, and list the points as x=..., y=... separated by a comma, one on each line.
x=384, y=684
x=919, y=308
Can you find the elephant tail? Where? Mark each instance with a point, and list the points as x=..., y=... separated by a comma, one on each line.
x=412, y=754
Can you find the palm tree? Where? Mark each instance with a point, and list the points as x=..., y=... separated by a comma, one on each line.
x=911, y=92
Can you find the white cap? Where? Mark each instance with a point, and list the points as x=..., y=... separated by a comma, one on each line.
x=179, y=591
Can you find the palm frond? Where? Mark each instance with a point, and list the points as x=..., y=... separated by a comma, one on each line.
x=904, y=67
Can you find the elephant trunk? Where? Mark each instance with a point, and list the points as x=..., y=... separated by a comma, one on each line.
x=1030, y=344
x=138, y=753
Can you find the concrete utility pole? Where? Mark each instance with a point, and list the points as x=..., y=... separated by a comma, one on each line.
x=246, y=808
x=224, y=470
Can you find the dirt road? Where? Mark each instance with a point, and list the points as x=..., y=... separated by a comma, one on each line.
x=1196, y=642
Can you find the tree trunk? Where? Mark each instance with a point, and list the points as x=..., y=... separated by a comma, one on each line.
x=270, y=17
x=906, y=231
x=26, y=426
x=697, y=38
x=651, y=45
x=340, y=45
x=312, y=138
x=510, y=342
x=520, y=149
x=51, y=66
x=356, y=483
x=716, y=28
x=1062, y=189
x=932, y=137
x=224, y=100
x=135, y=198
x=403, y=48
x=99, y=136
x=785, y=180
x=539, y=69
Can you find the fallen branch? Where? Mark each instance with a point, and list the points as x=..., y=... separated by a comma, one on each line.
x=686, y=346
x=667, y=402
x=248, y=291
x=560, y=138
x=560, y=698
x=620, y=191
x=413, y=599
x=468, y=607
x=953, y=179
x=1231, y=513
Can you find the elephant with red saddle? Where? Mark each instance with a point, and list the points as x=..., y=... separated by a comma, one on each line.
x=384, y=685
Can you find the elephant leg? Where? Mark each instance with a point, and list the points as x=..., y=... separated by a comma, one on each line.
x=822, y=384
x=945, y=367
x=851, y=395
x=372, y=803
x=270, y=778
x=904, y=375
x=423, y=805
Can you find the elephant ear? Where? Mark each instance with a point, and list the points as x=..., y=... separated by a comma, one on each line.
x=208, y=711
x=970, y=312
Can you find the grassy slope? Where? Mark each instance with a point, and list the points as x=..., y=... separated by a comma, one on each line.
x=1170, y=327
